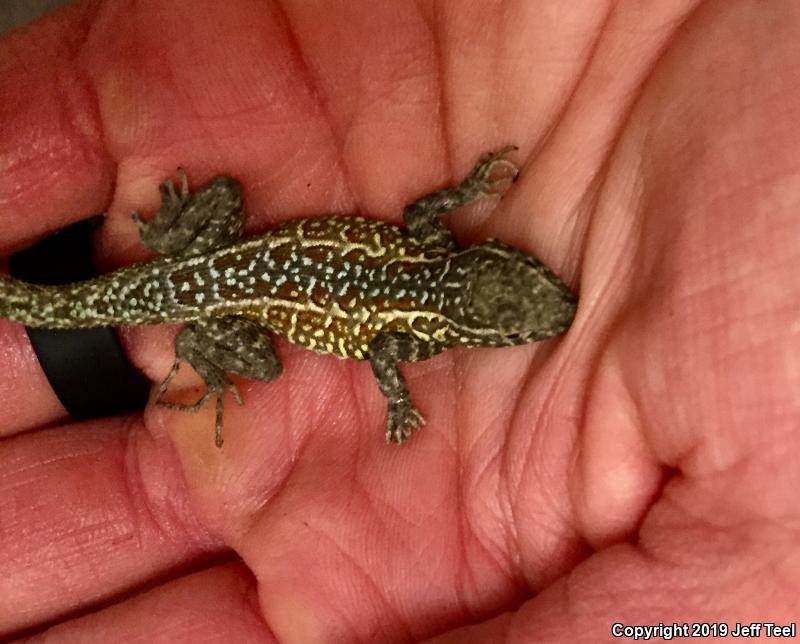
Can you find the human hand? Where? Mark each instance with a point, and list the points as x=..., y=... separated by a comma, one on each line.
x=638, y=470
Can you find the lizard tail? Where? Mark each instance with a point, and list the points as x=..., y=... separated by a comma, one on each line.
x=30, y=304
x=127, y=296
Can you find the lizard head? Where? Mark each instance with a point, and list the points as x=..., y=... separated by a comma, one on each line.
x=507, y=297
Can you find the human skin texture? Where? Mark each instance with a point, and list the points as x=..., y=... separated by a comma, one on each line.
x=639, y=469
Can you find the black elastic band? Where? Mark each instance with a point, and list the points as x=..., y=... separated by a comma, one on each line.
x=87, y=368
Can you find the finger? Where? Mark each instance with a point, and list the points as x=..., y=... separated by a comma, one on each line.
x=216, y=605
x=54, y=171
x=54, y=166
x=89, y=511
x=28, y=400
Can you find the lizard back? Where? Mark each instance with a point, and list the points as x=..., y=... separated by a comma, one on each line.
x=329, y=283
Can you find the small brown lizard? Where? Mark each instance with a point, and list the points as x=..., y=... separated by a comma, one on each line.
x=349, y=286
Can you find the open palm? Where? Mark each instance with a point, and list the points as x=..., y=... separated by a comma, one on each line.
x=638, y=470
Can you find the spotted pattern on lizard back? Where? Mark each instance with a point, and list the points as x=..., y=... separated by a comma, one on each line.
x=328, y=284
x=348, y=286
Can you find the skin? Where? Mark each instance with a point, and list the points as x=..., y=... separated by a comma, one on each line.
x=641, y=469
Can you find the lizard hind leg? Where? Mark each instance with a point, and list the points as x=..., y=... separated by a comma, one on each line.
x=215, y=347
x=194, y=223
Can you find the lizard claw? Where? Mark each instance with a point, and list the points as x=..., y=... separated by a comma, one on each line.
x=138, y=221
x=184, y=185
x=235, y=393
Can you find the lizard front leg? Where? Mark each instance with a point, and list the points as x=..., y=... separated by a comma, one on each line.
x=218, y=345
x=422, y=217
x=386, y=350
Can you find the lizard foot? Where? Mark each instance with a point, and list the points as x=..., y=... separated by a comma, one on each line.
x=216, y=388
x=172, y=202
x=481, y=175
x=403, y=420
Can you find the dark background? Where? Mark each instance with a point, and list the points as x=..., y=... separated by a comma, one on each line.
x=15, y=13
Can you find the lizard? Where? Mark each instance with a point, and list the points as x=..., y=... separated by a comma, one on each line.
x=344, y=285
